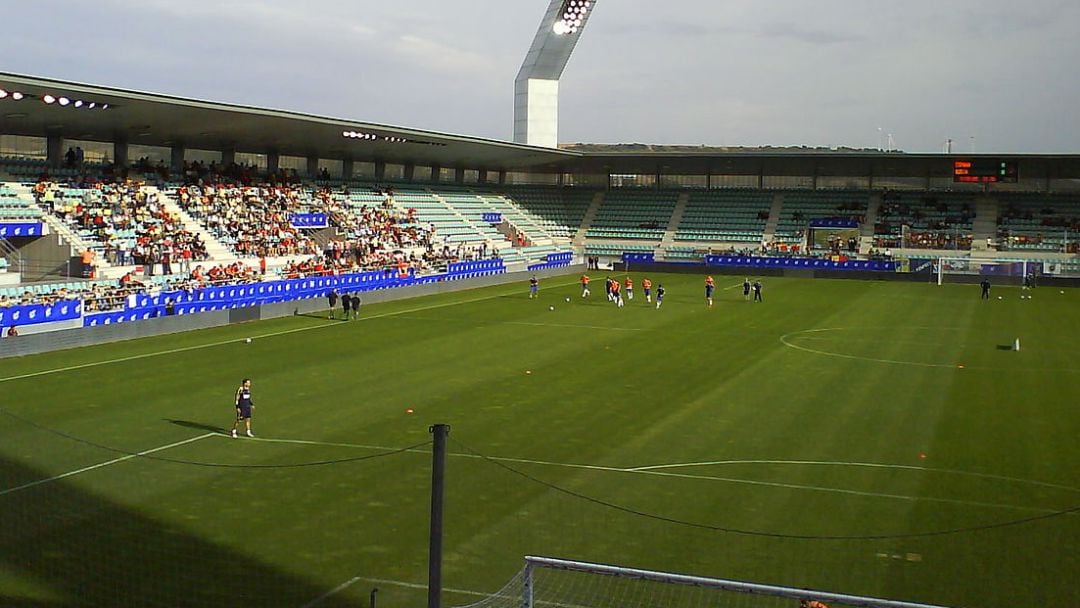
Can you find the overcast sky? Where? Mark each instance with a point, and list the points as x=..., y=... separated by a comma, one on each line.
x=999, y=75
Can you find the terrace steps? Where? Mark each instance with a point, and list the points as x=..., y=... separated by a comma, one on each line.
x=590, y=215
x=774, y=217
x=676, y=219
x=218, y=252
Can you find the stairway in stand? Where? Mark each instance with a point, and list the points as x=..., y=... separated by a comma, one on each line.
x=219, y=252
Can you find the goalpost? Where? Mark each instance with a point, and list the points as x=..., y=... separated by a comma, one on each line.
x=549, y=582
x=968, y=270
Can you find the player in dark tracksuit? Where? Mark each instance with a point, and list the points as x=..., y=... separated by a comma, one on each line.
x=332, y=298
x=746, y=289
x=355, y=305
x=346, y=303
x=757, y=291
x=244, y=405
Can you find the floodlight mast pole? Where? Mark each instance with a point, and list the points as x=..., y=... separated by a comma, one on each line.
x=438, y=469
x=536, y=88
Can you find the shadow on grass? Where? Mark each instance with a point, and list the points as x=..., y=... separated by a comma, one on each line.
x=318, y=315
x=1004, y=346
x=80, y=550
x=198, y=426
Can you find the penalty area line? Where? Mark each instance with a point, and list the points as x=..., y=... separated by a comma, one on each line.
x=104, y=464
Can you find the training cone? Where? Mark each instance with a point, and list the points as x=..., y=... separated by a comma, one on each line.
x=1016, y=345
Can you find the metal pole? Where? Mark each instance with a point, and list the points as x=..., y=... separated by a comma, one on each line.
x=438, y=468
x=374, y=591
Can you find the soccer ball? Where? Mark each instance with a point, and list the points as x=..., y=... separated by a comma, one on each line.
x=551, y=308
x=999, y=297
x=248, y=340
x=568, y=299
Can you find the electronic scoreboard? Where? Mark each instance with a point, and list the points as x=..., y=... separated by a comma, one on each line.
x=985, y=171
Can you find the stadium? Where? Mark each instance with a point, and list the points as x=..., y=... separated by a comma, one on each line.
x=859, y=389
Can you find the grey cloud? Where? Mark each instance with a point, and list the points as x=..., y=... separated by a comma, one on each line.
x=790, y=31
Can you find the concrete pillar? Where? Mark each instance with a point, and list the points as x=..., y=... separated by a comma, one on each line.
x=120, y=154
x=435, y=171
x=177, y=158
x=313, y=166
x=380, y=170
x=708, y=179
x=482, y=176
x=409, y=172
x=228, y=157
x=459, y=176
x=273, y=161
x=347, y=168
x=54, y=150
x=502, y=177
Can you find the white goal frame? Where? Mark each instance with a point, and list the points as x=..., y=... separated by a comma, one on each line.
x=529, y=592
x=976, y=263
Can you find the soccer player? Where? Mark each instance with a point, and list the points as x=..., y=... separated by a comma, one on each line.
x=757, y=291
x=332, y=298
x=244, y=405
x=646, y=286
x=710, y=286
x=746, y=289
x=812, y=604
x=610, y=296
x=585, y=286
x=615, y=295
x=355, y=305
x=659, y=295
x=985, y=289
x=534, y=287
x=346, y=304
x=629, y=284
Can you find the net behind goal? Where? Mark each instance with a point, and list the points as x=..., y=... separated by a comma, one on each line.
x=547, y=582
x=967, y=270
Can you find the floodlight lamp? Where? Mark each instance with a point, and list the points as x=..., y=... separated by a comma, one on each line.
x=561, y=28
x=16, y=96
x=48, y=98
x=3, y=93
x=64, y=101
x=92, y=105
x=104, y=106
x=78, y=103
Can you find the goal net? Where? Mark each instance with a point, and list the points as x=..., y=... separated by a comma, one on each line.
x=546, y=582
x=968, y=270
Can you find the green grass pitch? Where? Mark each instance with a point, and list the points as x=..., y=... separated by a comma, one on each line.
x=819, y=439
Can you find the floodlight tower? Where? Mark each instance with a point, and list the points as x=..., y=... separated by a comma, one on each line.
x=536, y=90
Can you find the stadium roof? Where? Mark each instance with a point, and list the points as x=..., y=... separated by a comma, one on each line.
x=163, y=120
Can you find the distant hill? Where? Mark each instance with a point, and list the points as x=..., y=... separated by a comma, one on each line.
x=685, y=149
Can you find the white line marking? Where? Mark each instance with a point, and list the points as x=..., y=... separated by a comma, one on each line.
x=733, y=480
x=383, y=581
x=784, y=340
x=103, y=464
x=236, y=340
x=532, y=324
x=904, y=467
